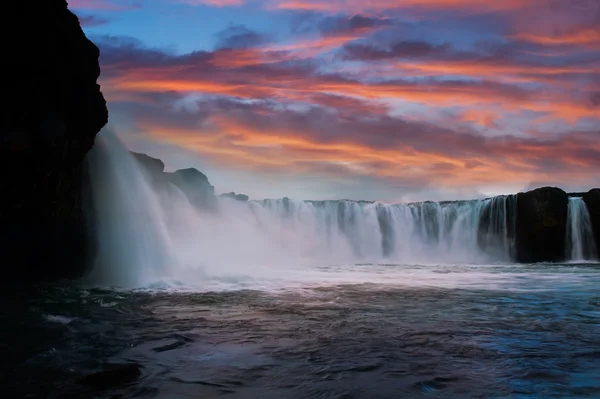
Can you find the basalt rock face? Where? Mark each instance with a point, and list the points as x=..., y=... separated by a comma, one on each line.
x=193, y=183
x=541, y=221
x=592, y=201
x=52, y=111
x=195, y=186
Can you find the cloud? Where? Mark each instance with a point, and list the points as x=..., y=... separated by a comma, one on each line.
x=265, y=138
x=586, y=37
x=248, y=73
x=358, y=6
x=214, y=3
x=104, y=5
x=91, y=21
x=354, y=25
x=238, y=37
x=357, y=94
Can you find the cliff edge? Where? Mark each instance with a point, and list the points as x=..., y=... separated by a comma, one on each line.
x=52, y=111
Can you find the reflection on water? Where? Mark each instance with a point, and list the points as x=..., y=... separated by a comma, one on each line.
x=534, y=337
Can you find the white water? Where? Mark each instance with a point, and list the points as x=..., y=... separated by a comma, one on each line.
x=134, y=243
x=151, y=234
x=580, y=244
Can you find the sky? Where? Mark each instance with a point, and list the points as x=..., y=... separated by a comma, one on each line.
x=390, y=100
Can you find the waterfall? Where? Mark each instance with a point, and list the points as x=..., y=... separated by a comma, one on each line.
x=149, y=231
x=133, y=241
x=580, y=245
x=447, y=232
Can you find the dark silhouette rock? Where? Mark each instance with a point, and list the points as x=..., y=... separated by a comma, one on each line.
x=193, y=183
x=238, y=197
x=54, y=110
x=592, y=201
x=153, y=165
x=541, y=225
x=113, y=376
x=195, y=186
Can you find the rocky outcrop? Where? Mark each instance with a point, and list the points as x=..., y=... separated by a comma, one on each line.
x=52, y=113
x=592, y=201
x=153, y=165
x=237, y=197
x=193, y=183
x=195, y=186
x=541, y=221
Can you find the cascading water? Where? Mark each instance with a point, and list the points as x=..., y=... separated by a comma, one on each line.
x=149, y=232
x=133, y=242
x=580, y=244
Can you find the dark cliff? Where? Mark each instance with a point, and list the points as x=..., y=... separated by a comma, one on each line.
x=52, y=113
x=592, y=201
x=193, y=183
x=541, y=221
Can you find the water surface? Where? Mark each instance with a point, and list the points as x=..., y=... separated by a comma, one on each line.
x=495, y=331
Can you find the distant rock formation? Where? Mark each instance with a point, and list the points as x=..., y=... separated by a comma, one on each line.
x=153, y=165
x=541, y=221
x=592, y=201
x=52, y=111
x=193, y=183
x=238, y=197
x=195, y=186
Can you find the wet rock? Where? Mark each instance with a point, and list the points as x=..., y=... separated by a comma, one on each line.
x=113, y=376
x=592, y=201
x=49, y=123
x=541, y=225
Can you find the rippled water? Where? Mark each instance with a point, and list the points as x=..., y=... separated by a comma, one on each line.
x=407, y=332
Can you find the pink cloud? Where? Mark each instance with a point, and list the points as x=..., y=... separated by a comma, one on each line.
x=105, y=5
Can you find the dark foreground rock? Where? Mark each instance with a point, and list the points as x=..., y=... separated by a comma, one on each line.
x=541, y=221
x=52, y=113
x=112, y=376
x=592, y=201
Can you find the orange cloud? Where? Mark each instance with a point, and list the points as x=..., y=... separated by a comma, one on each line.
x=106, y=5
x=363, y=6
x=584, y=36
x=303, y=87
x=215, y=3
x=353, y=6
x=305, y=49
x=481, y=117
x=280, y=148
